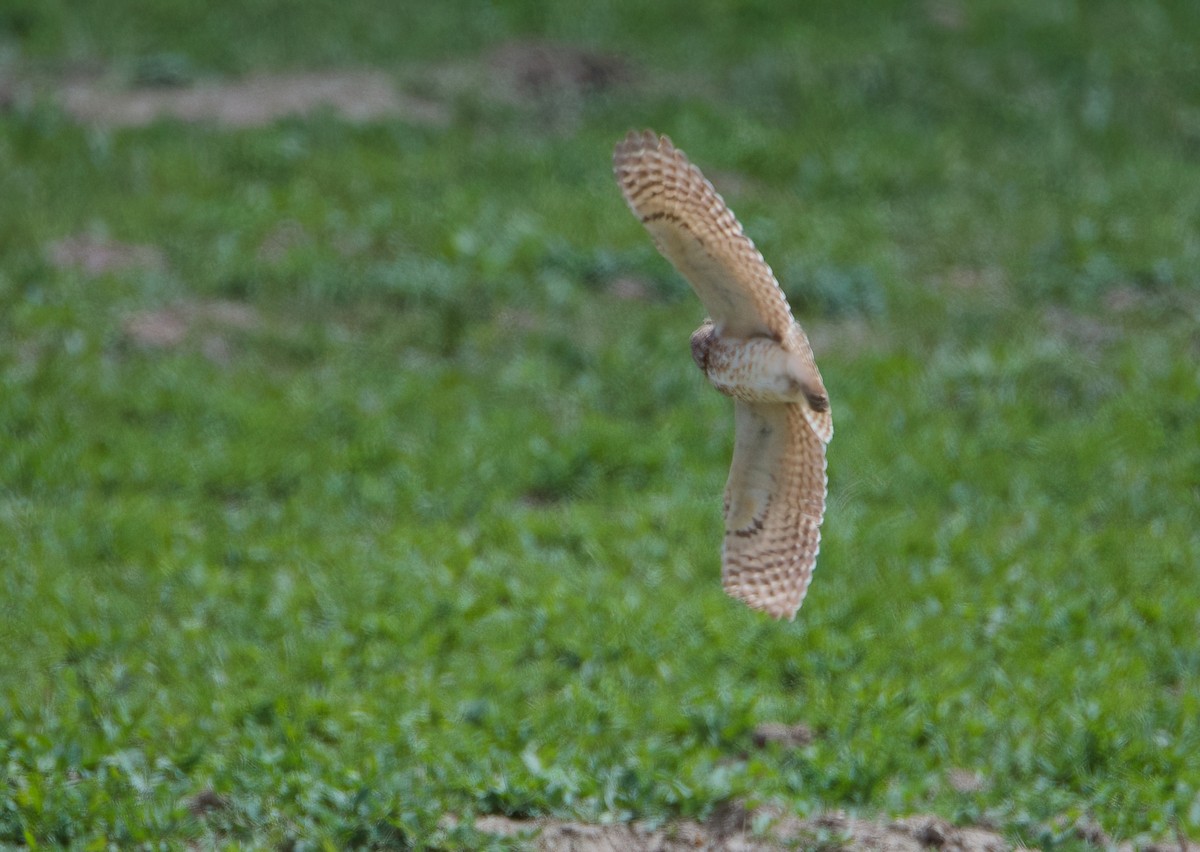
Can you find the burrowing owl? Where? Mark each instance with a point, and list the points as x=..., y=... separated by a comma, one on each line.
x=754, y=351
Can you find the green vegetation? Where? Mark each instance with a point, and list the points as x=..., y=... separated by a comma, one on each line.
x=364, y=493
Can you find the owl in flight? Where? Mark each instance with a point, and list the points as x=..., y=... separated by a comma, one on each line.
x=751, y=349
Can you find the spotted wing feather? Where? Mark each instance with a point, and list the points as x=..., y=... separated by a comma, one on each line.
x=696, y=231
x=774, y=504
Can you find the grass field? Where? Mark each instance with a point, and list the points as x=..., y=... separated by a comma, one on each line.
x=356, y=474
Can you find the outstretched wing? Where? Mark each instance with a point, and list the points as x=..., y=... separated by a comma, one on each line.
x=701, y=237
x=774, y=503
x=698, y=233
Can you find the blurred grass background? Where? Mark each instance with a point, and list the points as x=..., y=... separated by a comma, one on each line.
x=355, y=473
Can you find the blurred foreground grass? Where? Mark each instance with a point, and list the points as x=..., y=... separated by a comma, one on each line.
x=364, y=476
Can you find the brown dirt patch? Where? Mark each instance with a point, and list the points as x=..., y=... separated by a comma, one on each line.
x=160, y=329
x=787, y=736
x=205, y=802
x=96, y=255
x=629, y=288
x=1080, y=331
x=539, y=69
x=946, y=14
x=253, y=101
x=767, y=829
x=966, y=781
x=731, y=829
x=552, y=81
x=208, y=323
x=552, y=78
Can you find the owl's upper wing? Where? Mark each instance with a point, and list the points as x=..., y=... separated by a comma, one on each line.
x=774, y=502
x=694, y=230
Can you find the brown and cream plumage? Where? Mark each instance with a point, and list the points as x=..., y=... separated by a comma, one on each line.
x=752, y=350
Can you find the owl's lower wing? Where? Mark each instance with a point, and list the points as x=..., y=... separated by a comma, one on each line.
x=774, y=503
x=696, y=231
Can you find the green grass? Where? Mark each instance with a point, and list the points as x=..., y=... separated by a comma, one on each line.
x=437, y=530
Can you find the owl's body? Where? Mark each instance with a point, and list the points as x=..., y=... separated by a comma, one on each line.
x=752, y=350
x=756, y=369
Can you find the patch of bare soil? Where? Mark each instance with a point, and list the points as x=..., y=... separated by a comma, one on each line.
x=731, y=829
x=966, y=781
x=787, y=736
x=628, y=288
x=253, y=101
x=209, y=323
x=205, y=802
x=96, y=255
x=946, y=14
x=737, y=829
x=1080, y=331
x=537, y=69
x=551, y=80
